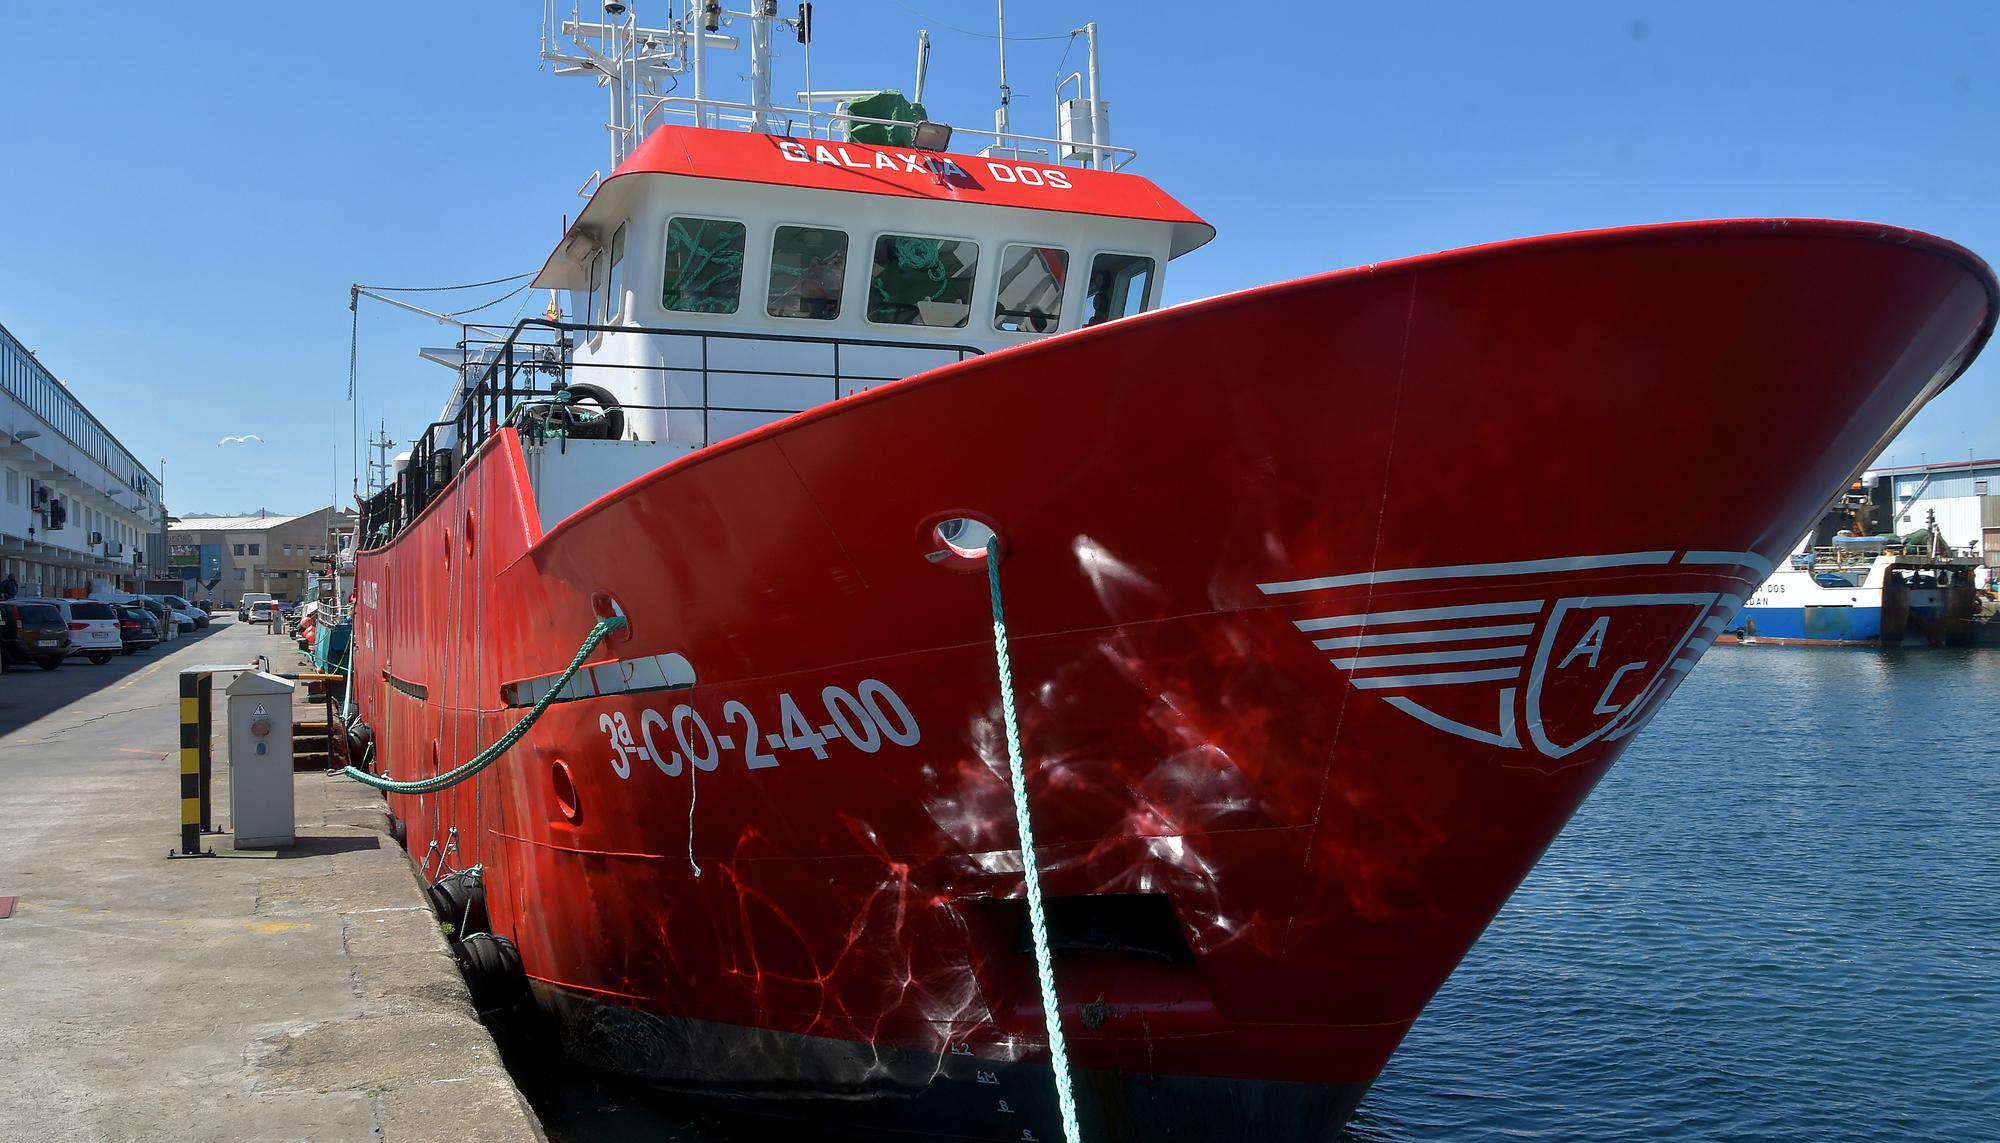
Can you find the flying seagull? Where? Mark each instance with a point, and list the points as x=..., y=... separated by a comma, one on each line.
x=239, y=440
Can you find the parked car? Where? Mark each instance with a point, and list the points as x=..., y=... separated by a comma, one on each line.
x=33, y=631
x=159, y=611
x=243, y=605
x=137, y=628
x=262, y=610
x=93, y=628
x=199, y=616
x=182, y=617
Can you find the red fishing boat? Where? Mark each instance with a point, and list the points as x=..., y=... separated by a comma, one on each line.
x=1291, y=736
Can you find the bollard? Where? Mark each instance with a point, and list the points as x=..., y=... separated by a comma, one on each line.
x=195, y=767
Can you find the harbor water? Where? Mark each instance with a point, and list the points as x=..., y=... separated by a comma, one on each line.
x=1778, y=918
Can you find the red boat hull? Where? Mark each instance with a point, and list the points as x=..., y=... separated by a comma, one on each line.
x=1268, y=559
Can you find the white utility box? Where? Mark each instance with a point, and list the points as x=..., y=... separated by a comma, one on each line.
x=260, y=761
x=1079, y=122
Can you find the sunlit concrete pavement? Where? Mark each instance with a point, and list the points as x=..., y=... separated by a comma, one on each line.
x=259, y=995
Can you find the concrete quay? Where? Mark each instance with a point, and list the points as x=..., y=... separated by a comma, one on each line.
x=300, y=993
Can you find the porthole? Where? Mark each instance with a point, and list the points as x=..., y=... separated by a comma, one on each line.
x=604, y=606
x=964, y=537
x=957, y=540
x=564, y=787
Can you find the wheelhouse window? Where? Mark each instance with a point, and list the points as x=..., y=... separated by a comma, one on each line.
x=922, y=281
x=1031, y=289
x=614, y=290
x=1119, y=286
x=593, y=301
x=808, y=268
x=704, y=266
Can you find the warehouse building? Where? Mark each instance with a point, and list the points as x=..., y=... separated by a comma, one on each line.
x=219, y=558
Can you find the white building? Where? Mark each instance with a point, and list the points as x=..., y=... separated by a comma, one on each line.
x=1965, y=495
x=75, y=504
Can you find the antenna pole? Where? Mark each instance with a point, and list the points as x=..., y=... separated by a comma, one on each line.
x=923, y=62
x=762, y=12
x=1097, y=124
x=608, y=33
x=699, y=58
x=1000, y=116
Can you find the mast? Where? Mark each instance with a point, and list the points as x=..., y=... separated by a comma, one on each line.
x=1000, y=116
x=637, y=65
x=378, y=465
x=1097, y=124
x=762, y=12
x=711, y=19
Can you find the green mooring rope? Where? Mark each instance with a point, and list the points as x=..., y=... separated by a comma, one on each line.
x=1058, y=1054
x=486, y=757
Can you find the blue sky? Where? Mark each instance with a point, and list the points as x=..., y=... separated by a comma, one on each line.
x=182, y=207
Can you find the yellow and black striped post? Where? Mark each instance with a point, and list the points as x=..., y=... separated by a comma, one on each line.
x=203, y=738
x=195, y=769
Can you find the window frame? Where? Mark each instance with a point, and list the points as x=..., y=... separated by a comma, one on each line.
x=614, y=285
x=971, y=302
x=594, y=299
x=750, y=256
x=1062, y=304
x=1147, y=305
x=771, y=257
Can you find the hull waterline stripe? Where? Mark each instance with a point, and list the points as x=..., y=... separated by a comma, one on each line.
x=1438, y=679
x=1422, y=615
x=1470, y=571
x=1431, y=658
x=1446, y=635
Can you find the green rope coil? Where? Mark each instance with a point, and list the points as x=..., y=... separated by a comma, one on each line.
x=1037, y=923
x=486, y=757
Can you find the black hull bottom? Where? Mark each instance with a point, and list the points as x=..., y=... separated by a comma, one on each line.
x=838, y=1088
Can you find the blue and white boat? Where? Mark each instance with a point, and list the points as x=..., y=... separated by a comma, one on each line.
x=1863, y=591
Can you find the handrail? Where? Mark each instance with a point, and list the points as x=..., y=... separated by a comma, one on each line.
x=481, y=407
x=698, y=109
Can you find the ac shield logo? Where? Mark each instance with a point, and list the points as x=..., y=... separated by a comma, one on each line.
x=1601, y=662
x=1530, y=666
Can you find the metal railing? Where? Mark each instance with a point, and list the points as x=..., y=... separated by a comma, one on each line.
x=811, y=123
x=539, y=387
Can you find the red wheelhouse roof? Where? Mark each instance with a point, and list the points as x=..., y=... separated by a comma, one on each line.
x=904, y=172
